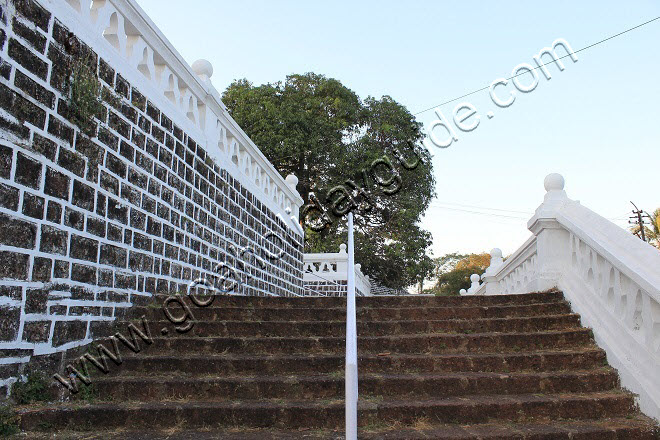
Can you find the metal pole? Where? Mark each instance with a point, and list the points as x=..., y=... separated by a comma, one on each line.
x=351, y=375
x=640, y=220
x=641, y=224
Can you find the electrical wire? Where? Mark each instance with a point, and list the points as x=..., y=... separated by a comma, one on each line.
x=477, y=212
x=543, y=65
x=482, y=207
x=614, y=220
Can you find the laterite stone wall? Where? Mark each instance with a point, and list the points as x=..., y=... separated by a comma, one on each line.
x=97, y=219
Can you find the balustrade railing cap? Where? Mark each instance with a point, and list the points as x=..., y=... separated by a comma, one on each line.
x=554, y=186
x=555, y=199
x=554, y=182
x=203, y=69
x=292, y=181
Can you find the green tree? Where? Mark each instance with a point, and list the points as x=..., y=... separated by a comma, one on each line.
x=321, y=131
x=453, y=272
x=447, y=263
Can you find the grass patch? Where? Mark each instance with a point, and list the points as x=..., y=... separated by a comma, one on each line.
x=8, y=421
x=33, y=389
x=421, y=424
x=44, y=426
x=375, y=426
x=87, y=393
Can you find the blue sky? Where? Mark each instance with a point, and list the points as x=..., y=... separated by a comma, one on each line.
x=597, y=122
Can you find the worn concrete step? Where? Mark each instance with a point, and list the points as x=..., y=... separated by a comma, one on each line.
x=631, y=428
x=376, y=301
x=155, y=387
x=423, y=343
x=365, y=328
x=288, y=414
x=156, y=311
x=226, y=364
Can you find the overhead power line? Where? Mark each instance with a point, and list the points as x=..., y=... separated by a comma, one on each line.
x=542, y=65
x=483, y=207
x=477, y=212
x=438, y=205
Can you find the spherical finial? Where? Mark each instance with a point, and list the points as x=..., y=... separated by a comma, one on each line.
x=342, y=248
x=358, y=267
x=496, y=253
x=288, y=210
x=475, y=278
x=203, y=69
x=462, y=291
x=292, y=181
x=554, y=182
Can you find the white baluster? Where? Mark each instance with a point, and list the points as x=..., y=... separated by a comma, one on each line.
x=474, y=279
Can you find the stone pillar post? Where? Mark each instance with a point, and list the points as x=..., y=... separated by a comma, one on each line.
x=552, y=240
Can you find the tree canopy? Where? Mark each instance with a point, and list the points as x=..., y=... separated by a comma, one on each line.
x=453, y=272
x=319, y=130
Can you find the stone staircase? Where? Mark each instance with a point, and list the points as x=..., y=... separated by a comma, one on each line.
x=499, y=367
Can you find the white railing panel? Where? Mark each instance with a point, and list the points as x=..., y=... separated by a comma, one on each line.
x=610, y=277
x=330, y=271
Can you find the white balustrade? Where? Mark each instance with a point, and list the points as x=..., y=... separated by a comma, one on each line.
x=331, y=269
x=610, y=277
x=122, y=34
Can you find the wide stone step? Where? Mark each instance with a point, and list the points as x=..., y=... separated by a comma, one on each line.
x=326, y=414
x=631, y=428
x=156, y=311
x=423, y=343
x=156, y=388
x=639, y=428
x=377, y=301
x=222, y=365
x=365, y=328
